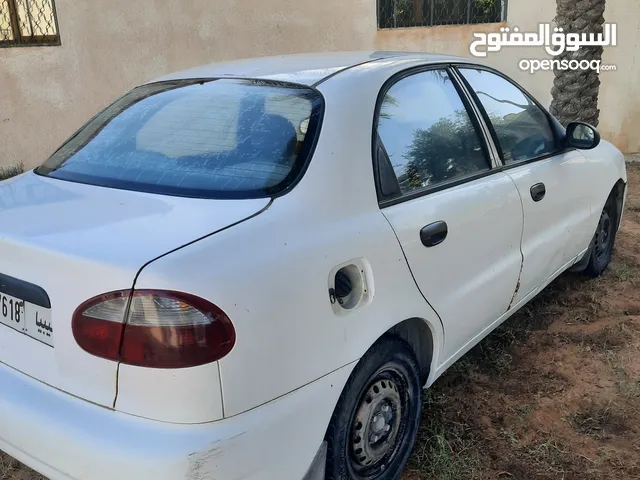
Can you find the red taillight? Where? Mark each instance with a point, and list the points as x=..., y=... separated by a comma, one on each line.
x=162, y=329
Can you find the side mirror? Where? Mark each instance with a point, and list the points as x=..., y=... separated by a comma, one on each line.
x=582, y=136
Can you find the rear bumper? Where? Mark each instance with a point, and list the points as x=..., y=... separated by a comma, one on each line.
x=66, y=438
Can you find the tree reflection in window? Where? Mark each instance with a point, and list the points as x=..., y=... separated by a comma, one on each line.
x=522, y=128
x=449, y=148
x=428, y=133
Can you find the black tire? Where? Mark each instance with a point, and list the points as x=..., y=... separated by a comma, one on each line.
x=603, y=240
x=384, y=389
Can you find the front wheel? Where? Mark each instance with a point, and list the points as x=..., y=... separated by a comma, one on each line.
x=374, y=425
x=603, y=240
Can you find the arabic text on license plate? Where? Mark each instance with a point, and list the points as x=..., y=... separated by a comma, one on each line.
x=28, y=318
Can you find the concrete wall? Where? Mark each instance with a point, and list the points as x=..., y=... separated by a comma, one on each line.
x=46, y=93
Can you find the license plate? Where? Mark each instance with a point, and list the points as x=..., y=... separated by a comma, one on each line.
x=28, y=318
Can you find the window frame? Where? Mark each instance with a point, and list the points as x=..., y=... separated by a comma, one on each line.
x=556, y=128
x=31, y=40
x=376, y=141
x=504, y=12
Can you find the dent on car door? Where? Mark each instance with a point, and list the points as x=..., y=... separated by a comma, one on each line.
x=553, y=183
x=458, y=222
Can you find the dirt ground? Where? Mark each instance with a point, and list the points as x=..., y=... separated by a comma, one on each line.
x=554, y=393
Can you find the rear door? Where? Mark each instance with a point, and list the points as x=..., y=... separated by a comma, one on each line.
x=459, y=221
x=554, y=183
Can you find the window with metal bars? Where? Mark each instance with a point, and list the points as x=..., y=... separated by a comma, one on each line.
x=28, y=22
x=429, y=13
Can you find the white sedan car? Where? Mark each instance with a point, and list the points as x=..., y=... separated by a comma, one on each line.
x=250, y=270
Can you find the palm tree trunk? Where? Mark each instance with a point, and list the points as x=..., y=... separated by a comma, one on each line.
x=575, y=92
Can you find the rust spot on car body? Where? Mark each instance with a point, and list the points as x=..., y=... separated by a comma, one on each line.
x=515, y=293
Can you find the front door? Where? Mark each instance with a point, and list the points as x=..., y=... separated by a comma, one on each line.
x=554, y=184
x=458, y=221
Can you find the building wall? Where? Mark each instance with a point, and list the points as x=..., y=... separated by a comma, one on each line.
x=46, y=93
x=620, y=90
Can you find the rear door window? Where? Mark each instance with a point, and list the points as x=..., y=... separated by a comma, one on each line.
x=428, y=133
x=213, y=139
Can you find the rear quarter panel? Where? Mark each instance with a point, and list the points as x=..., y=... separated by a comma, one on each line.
x=270, y=276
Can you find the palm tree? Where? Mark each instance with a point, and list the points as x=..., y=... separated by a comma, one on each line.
x=575, y=92
x=388, y=102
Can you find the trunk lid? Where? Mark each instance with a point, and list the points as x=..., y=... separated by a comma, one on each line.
x=76, y=241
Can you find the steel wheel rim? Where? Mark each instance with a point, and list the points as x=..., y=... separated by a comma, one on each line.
x=604, y=235
x=378, y=427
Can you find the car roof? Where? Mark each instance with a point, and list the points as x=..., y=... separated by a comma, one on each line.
x=307, y=68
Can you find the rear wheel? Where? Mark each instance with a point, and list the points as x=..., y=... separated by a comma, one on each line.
x=603, y=240
x=375, y=423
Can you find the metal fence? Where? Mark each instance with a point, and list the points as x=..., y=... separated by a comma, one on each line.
x=28, y=22
x=427, y=13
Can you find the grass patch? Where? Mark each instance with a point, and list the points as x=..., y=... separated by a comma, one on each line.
x=545, y=458
x=523, y=410
x=623, y=464
x=625, y=270
x=11, y=469
x=628, y=387
x=610, y=338
x=555, y=458
x=600, y=422
x=444, y=448
x=579, y=317
x=11, y=171
x=437, y=457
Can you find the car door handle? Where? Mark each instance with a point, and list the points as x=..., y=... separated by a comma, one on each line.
x=538, y=192
x=434, y=234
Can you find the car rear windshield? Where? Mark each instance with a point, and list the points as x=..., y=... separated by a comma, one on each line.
x=223, y=138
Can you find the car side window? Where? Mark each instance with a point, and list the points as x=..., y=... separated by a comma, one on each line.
x=522, y=128
x=427, y=132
